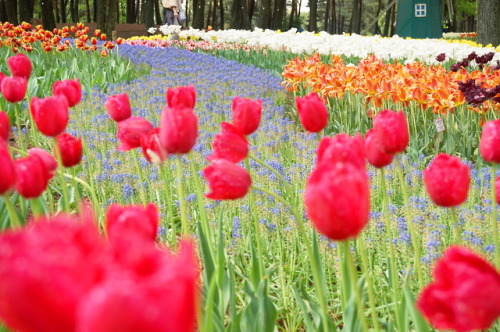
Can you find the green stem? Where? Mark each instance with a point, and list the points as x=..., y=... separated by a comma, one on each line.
x=36, y=207
x=457, y=231
x=15, y=222
x=411, y=227
x=180, y=191
x=354, y=284
x=314, y=266
x=20, y=137
x=64, y=186
x=141, y=181
x=367, y=272
x=169, y=201
x=494, y=215
x=263, y=163
x=199, y=197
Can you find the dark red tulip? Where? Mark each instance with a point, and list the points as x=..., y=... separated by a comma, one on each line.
x=226, y=180
x=392, y=132
x=70, y=149
x=118, y=107
x=373, y=151
x=246, y=114
x=50, y=114
x=181, y=97
x=20, y=65
x=465, y=293
x=178, y=130
x=489, y=146
x=71, y=89
x=4, y=127
x=8, y=178
x=337, y=199
x=151, y=147
x=341, y=148
x=312, y=112
x=14, y=88
x=132, y=221
x=32, y=177
x=447, y=180
x=48, y=160
x=230, y=145
x=130, y=132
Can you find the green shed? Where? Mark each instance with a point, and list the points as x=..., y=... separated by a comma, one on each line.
x=419, y=19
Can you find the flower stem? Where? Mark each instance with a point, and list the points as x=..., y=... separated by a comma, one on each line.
x=457, y=231
x=15, y=221
x=169, y=201
x=494, y=215
x=354, y=284
x=180, y=191
x=141, y=181
x=64, y=186
x=367, y=272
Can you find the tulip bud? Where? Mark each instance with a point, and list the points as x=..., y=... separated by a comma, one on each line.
x=32, y=177
x=50, y=114
x=230, y=145
x=489, y=146
x=226, y=180
x=312, y=112
x=20, y=66
x=130, y=132
x=118, y=107
x=8, y=178
x=70, y=149
x=465, y=292
x=181, y=97
x=4, y=127
x=246, y=114
x=337, y=199
x=391, y=129
x=71, y=89
x=178, y=130
x=447, y=180
x=341, y=148
x=373, y=151
x=14, y=88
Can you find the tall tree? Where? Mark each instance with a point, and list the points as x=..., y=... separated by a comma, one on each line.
x=355, y=25
x=25, y=10
x=11, y=6
x=488, y=22
x=265, y=14
x=198, y=14
x=3, y=11
x=148, y=13
x=131, y=14
x=48, y=18
x=158, y=12
x=279, y=14
x=107, y=16
x=62, y=8
x=239, y=15
x=313, y=15
x=73, y=5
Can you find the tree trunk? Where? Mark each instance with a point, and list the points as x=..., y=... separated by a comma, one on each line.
x=327, y=15
x=210, y=12
x=250, y=9
x=313, y=15
x=3, y=11
x=11, y=6
x=63, y=11
x=147, y=13
x=158, y=12
x=73, y=4
x=292, y=13
x=25, y=10
x=130, y=11
x=488, y=22
x=87, y=7
x=265, y=14
x=279, y=14
x=387, y=24
x=221, y=9
x=106, y=16
x=333, y=22
x=48, y=19
x=198, y=14
x=239, y=15
x=355, y=25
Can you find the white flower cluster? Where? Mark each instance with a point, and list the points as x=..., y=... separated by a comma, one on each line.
x=394, y=48
x=170, y=29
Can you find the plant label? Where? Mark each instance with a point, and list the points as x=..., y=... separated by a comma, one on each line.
x=439, y=125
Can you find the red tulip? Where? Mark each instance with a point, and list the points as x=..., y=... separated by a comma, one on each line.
x=2, y=76
x=489, y=146
x=32, y=177
x=337, y=199
x=178, y=130
x=246, y=114
x=226, y=180
x=46, y=269
x=497, y=190
x=230, y=145
x=4, y=126
x=14, y=88
x=71, y=89
x=181, y=97
x=130, y=132
x=48, y=160
x=8, y=178
x=373, y=151
x=70, y=148
x=151, y=147
x=132, y=221
x=50, y=114
x=391, y=129
x=341, y=148
x=148, y=291
x=118, y=107
x=465, y=293
x=312, y=112
x=447, y=180
x=20, y=65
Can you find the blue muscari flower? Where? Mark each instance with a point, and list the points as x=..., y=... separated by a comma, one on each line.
x=490, y=248
x=245, y=207
x=191, y=197
x=236, y=231
x=127, y=191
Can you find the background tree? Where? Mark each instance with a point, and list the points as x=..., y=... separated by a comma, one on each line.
x=198, y=14
x=47, y=11
x=265, y=14
x=313, y=15
x=488, y=22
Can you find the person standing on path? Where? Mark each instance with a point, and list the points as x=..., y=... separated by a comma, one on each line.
x=171, y=12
